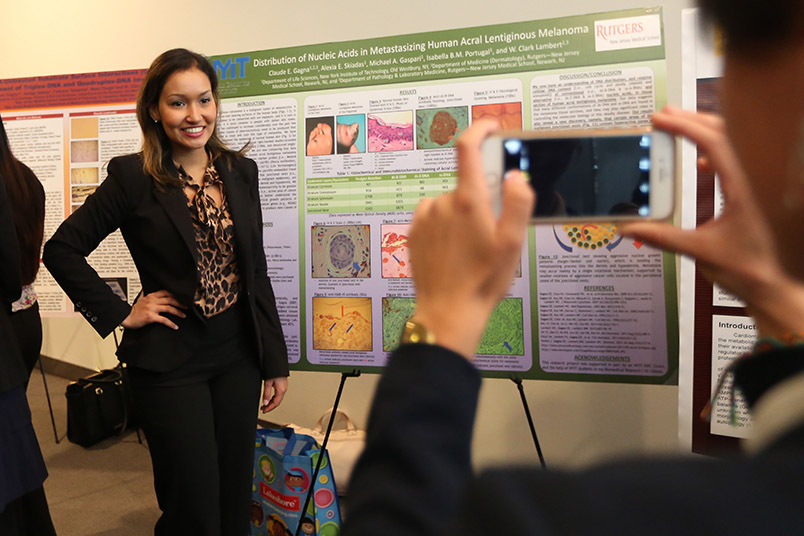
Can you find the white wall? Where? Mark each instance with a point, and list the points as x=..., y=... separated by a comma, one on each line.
x=578, y=423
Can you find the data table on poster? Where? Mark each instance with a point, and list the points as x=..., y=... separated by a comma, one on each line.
x=375, y=193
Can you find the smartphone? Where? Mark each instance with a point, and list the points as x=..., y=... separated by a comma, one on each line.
x=583, y=175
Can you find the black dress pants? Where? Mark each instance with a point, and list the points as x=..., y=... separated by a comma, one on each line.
x=200, y=422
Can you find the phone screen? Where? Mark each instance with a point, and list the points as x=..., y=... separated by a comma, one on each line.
x=590, y=176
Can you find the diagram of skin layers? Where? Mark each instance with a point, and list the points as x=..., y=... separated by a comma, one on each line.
x=504, y=335
x=390, y=131
x=507, y=114
x=351, y=134
x=394, y=247
x=342, y=324
x=340, y=251
x=440, y=127
x=587, y=236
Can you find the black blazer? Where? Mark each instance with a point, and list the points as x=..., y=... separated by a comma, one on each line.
x=158, y=231
x=12, y=367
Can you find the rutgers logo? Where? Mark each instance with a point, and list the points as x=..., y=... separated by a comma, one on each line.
x=614, y=30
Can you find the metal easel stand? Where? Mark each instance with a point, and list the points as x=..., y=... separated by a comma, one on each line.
x=518, y=382
x=354, y=374
x=47, y=394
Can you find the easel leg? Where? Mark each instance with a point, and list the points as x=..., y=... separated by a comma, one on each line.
x=354, y=374
x=518, y=382
x=47, y=394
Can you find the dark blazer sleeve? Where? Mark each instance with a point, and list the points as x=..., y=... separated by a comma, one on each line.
x=417, y=461
x=65, y=253
x=274, y=349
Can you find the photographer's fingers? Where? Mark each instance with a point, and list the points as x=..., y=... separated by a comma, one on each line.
x=471, y=181
x=707, y=132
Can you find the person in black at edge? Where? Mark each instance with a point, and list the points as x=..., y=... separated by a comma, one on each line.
x=23, y=506
x=415, y=475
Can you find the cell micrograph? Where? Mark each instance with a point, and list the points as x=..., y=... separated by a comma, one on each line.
x=508, y=114
x=390, y=132
x=83, y=127
x=591, y=235
x=394, y=248
x=79, y=194
x=505, y=332
x=87, y=175
x=341, y=251
x=84, y=151
x=342, y=324
x=395, y=312
x=440, y=127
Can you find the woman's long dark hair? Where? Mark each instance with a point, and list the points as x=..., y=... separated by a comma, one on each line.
x=27, y=199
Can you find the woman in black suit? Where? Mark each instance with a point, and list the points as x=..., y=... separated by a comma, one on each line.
x=204, y=331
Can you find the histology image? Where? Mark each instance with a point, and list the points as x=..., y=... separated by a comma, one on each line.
x=80, y=193
x=394, y=247
x=350, y=134
x=341, y=251
x=391, y=131
x=84, y=151
x=505, y=332
x=342, y=324
x=508, y=114
x=395, y=312
x=87, y=175
x=440, y=127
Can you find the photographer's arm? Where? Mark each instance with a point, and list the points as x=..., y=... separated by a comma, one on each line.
x=417, y=461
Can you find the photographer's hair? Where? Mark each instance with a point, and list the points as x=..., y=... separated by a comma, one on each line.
x=156, y=148
x=751, y=27
x=27, y=200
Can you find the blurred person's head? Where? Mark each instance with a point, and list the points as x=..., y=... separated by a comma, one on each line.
x=762, y=99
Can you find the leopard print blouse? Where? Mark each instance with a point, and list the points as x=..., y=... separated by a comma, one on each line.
x=214, y=237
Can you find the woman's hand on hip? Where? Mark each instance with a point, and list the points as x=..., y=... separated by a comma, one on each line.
x=150, y=308
x=273, y=391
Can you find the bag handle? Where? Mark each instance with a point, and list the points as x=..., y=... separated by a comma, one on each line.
x=320, y=425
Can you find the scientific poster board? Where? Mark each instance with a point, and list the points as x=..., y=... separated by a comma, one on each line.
x=374, y=133
x=350, y=136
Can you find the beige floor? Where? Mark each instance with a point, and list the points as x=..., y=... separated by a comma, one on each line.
x=106, y=490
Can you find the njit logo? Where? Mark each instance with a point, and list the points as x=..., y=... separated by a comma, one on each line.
x=231, y=68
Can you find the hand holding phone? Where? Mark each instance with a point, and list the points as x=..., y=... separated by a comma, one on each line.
x=602, y=174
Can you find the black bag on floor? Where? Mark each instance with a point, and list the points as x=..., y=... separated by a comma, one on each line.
x=98, y=407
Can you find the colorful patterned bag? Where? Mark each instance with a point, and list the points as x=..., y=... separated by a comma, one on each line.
x=284, y=463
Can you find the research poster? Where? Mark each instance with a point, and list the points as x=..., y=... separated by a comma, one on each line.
x=350, y=136
x=66, y=128
x=376, y=122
